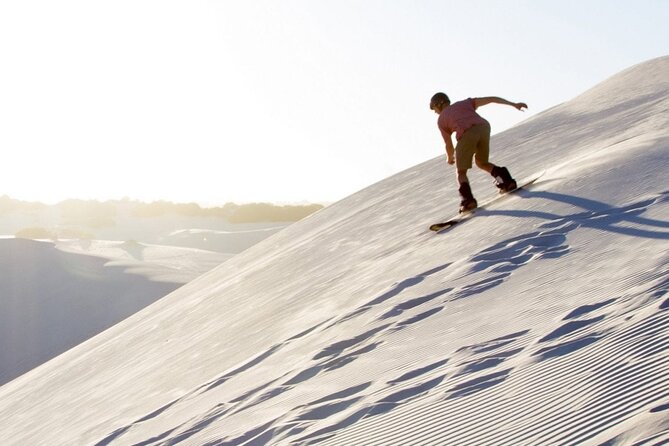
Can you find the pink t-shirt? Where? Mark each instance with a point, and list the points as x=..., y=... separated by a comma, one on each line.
x=458, y=117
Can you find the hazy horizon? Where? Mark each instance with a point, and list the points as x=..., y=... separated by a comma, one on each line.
x=159, y=200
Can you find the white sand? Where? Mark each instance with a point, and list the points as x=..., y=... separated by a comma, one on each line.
x=543, y=320
x=53, y=297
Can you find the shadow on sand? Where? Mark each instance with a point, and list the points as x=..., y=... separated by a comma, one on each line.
x=596, y=215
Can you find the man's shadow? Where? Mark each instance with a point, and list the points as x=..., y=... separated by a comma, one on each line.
x=596, y=214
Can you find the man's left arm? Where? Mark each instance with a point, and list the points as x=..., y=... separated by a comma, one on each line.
x=479, y=102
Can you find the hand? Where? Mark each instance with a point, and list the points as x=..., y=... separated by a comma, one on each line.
x=451, y=160
x=520, y=105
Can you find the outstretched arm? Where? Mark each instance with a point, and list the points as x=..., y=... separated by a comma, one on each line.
x=479, y=102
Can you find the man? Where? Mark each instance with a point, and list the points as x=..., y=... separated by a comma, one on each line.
x=472, y=133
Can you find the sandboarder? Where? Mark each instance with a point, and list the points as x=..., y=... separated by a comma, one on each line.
x=472, y=133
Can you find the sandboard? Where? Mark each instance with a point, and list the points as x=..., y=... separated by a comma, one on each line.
x=445, y=225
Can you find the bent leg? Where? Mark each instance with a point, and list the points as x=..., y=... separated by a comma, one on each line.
x=485, y=165
x=482, y=153
x=461, y=176
x=465, y=150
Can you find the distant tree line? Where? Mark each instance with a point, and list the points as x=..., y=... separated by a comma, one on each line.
x=232, y=212
x=96, y=214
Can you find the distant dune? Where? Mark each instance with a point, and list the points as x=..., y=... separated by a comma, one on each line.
x=54, y=297
x=148, y=222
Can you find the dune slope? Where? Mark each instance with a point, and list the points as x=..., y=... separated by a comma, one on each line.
x=543, y=320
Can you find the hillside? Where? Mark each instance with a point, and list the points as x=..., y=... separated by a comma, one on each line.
x=53, y=296
x=542, y=321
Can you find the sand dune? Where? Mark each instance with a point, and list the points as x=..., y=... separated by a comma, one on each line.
x=541, y=321
x=56, y=296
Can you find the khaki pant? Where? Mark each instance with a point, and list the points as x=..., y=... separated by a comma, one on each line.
x=474, y=142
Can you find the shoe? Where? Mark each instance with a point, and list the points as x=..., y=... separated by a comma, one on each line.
x=468, y=202
x=468, y=205
x=507, y=187
x=503, y=180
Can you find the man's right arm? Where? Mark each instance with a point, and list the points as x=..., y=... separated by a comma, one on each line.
x=450, y=150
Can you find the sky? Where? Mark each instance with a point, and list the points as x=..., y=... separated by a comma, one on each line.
x=285, y=101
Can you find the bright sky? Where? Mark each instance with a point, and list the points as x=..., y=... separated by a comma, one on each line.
x=288, y=101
